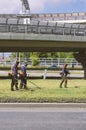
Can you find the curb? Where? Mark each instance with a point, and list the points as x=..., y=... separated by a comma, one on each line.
x=54, y=105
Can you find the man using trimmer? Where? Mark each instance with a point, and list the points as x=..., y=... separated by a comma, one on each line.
x=14, y=76
x=23, y=76
x=64, y=77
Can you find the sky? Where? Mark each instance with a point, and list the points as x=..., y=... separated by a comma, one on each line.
x=43, y=6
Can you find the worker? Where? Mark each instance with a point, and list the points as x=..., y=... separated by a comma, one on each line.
x=14, y=76
x=23, y=76
x=64, y=75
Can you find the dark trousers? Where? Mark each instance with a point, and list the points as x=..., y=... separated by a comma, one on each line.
x=64, y=80
x=14, y=82
x=23, y=82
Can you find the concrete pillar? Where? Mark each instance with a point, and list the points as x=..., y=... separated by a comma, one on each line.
x=81, y=57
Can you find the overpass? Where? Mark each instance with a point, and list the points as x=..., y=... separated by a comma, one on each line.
x=21, y=33
x=23, y=42
x=41, y=36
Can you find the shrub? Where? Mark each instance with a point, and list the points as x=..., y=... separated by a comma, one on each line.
x=35, y=62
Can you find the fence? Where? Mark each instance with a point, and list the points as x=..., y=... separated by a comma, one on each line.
x=44, y=62
x=58, y=62
x=43, y=27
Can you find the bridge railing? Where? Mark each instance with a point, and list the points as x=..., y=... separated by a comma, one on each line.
x=45, y=28
x=60, y=16
x=47, y=16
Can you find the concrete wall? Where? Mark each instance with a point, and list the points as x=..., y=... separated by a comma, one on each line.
x=13, y=42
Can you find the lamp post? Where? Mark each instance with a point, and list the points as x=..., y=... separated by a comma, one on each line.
x=3, y=55
x=17, y=56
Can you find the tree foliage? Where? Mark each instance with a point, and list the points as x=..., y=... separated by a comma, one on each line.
x=34, y=56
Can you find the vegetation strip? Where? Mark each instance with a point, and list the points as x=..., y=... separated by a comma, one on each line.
x=49, y=92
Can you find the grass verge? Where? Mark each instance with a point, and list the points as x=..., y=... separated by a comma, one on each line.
x=49, y=91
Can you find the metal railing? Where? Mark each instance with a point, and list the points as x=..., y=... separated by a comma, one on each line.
x=57, y=29
x=48, y=16
x=44, y=62
x=60, y=16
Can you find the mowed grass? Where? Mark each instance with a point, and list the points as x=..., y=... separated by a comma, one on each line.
x=46, y=91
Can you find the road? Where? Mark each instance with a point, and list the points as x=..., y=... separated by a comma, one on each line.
x=43, y=118
x=41, y=73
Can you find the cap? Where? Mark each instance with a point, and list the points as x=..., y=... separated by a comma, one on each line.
x=26, y=63
x=17, y=61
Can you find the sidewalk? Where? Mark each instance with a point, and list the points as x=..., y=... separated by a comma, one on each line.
x=54, y=105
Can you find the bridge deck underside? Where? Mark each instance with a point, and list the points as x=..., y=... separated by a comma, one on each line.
x=41, y=46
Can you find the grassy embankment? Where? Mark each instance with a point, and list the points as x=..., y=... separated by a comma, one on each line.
x=49, y=92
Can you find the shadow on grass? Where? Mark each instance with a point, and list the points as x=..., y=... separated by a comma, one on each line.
x=30, y=89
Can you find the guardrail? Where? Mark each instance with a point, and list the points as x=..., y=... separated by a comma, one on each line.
x=59, y=29
x=48, y=16
x=42, y=30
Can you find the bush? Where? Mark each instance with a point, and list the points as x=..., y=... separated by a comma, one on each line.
x=35, y=62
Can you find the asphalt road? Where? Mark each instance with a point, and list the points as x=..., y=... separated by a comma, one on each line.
x=37, y=73
x=42, y=118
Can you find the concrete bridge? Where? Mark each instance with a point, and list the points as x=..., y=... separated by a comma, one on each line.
x=42, y=36
x=43, y=32
x=14, y=42
x=22, y=42
x=15, y=36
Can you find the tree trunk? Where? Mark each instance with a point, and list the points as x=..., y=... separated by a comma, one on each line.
x=81, y=57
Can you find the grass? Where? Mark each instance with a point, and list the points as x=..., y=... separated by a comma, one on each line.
x=49, y=91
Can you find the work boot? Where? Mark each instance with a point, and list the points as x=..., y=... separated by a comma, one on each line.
x=60, y=86
x=12, y=88
x=65, y=85
x=25, y=87
x=17, y=88
x=21, y=85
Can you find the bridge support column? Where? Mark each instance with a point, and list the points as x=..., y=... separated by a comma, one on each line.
x=81, y=57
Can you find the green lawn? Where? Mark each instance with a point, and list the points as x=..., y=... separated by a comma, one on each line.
x=49, y=91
